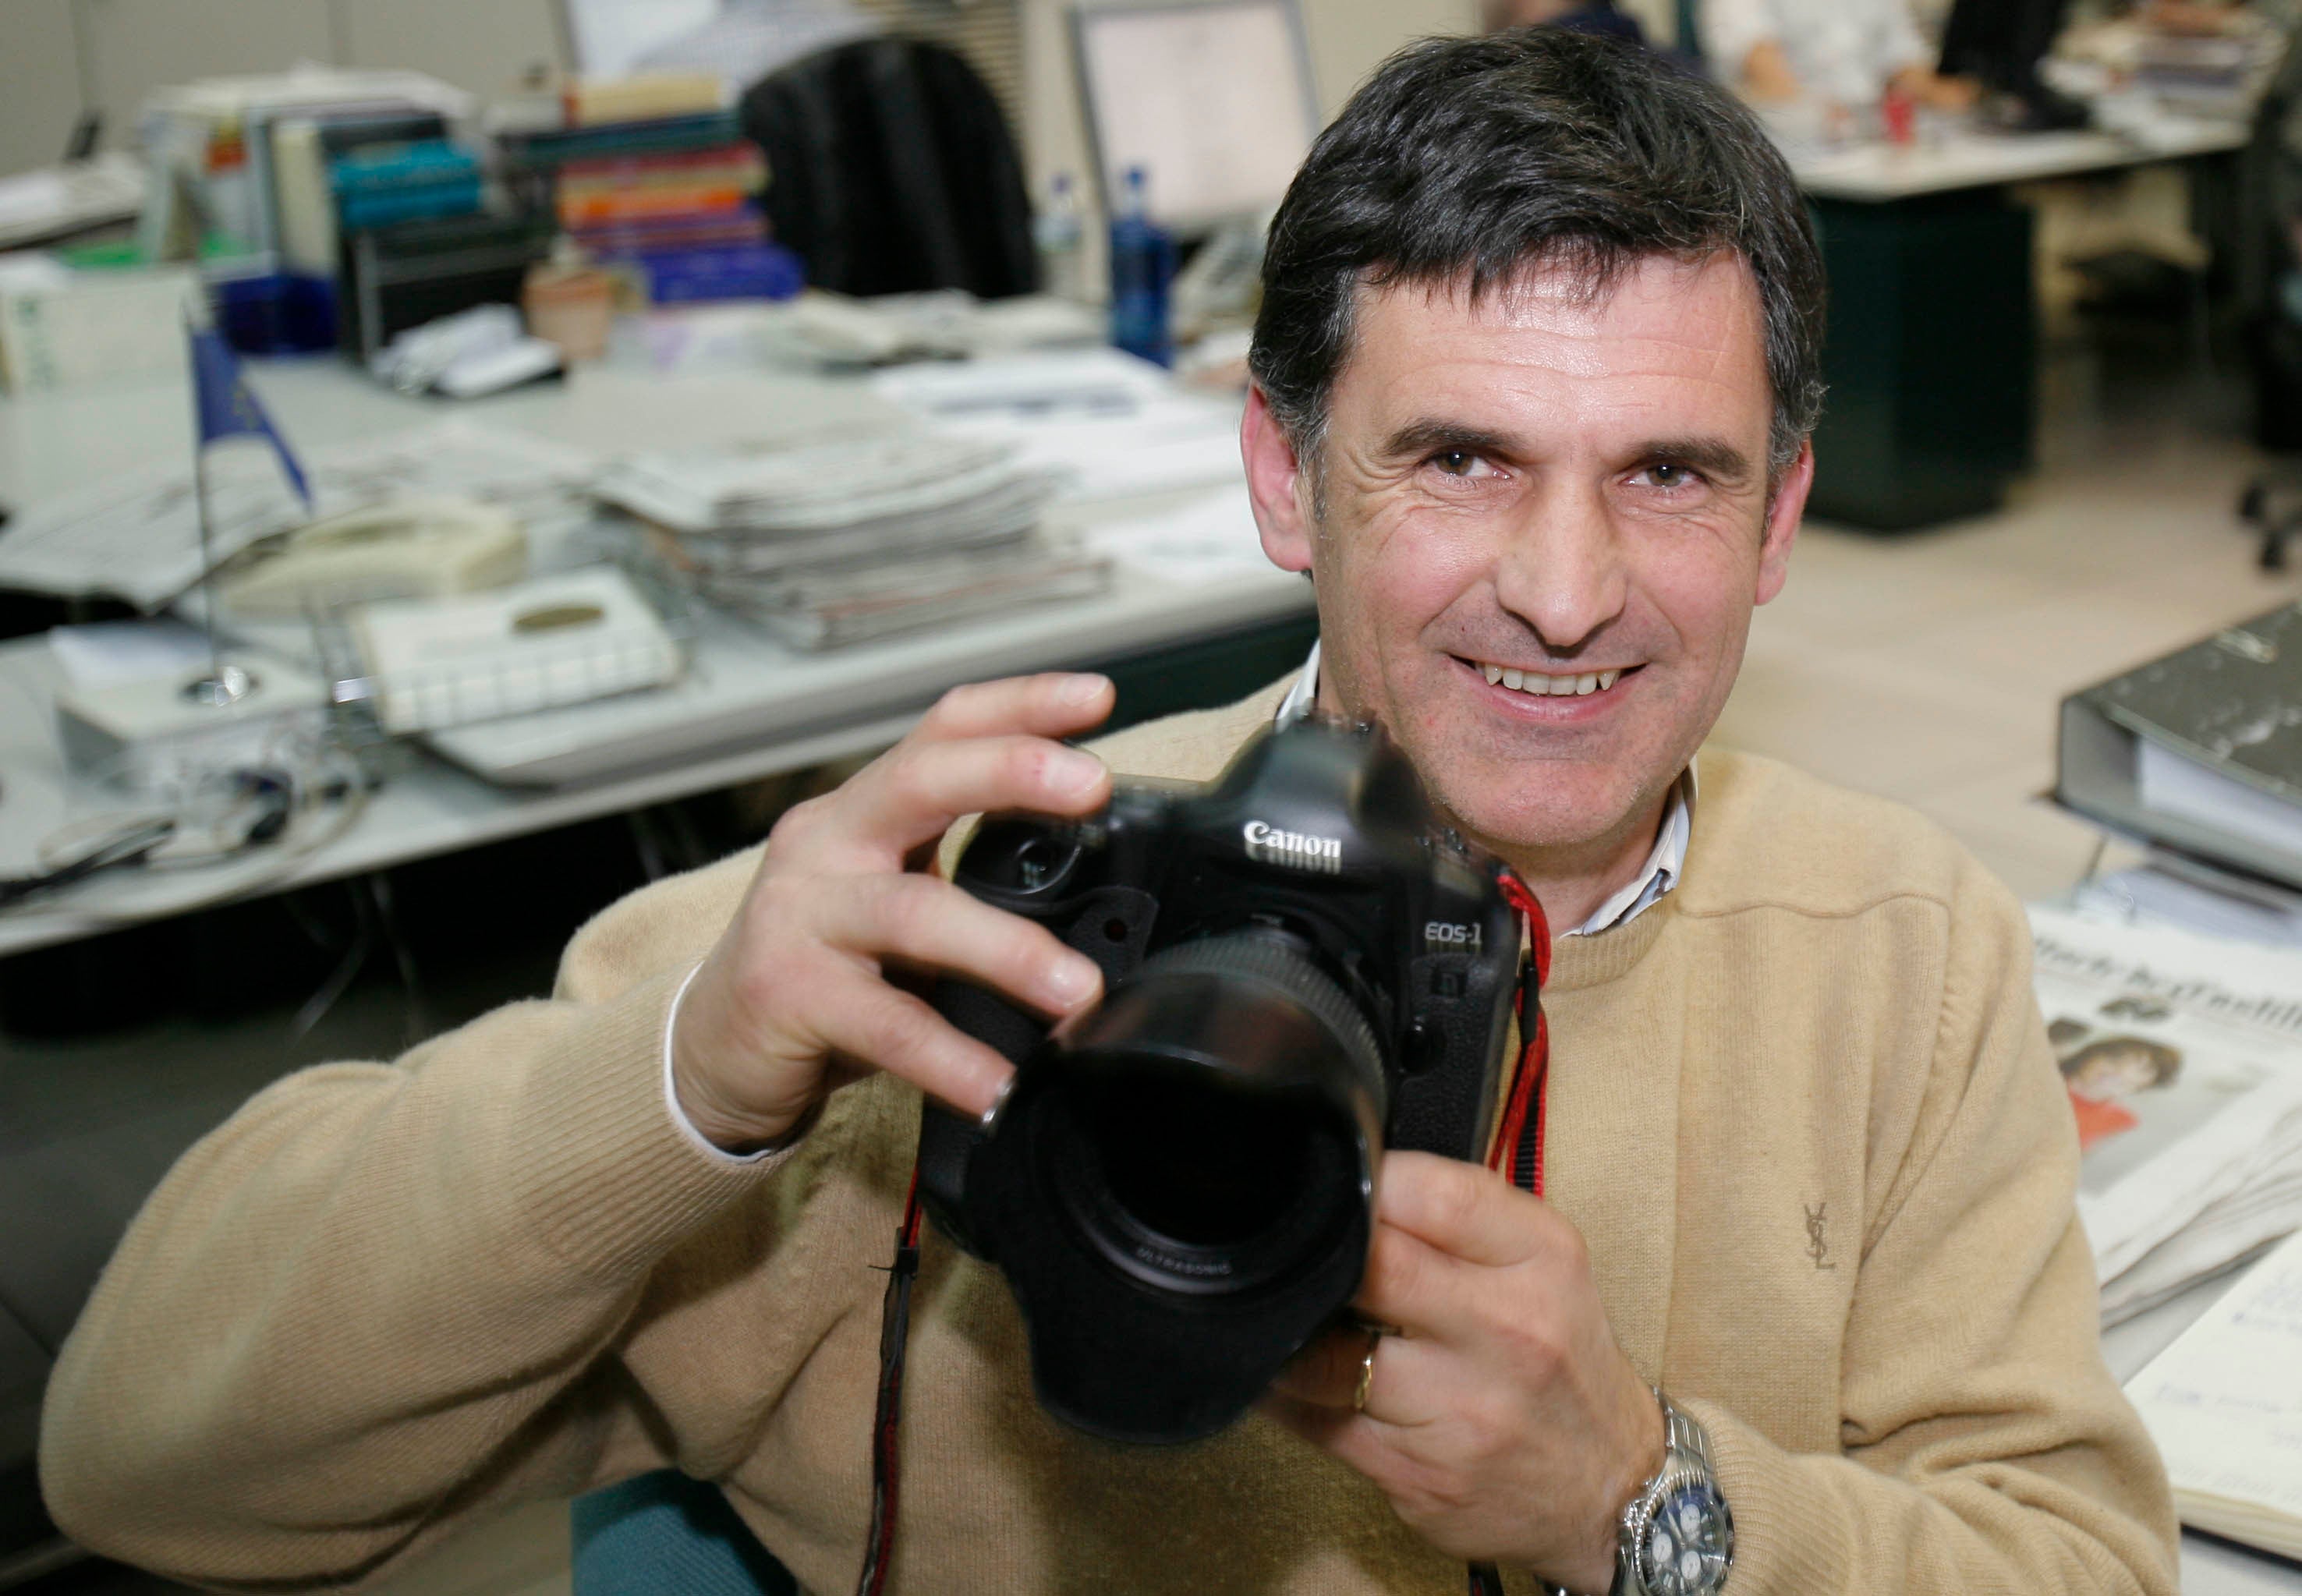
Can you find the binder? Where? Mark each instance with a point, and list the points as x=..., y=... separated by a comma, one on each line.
x=2200, y=751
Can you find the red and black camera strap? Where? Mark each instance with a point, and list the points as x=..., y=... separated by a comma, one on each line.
x=1520, y=1137
x=887, y=1417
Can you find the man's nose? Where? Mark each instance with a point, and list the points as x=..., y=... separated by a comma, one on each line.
x=1561, y=568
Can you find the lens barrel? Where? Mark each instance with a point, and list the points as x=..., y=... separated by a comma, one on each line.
x=1181, y=1184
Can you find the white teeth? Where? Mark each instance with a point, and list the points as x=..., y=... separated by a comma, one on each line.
x=1539, y=685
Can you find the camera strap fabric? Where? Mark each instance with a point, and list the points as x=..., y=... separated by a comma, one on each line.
x=886, y=1448
x=1520, y=1138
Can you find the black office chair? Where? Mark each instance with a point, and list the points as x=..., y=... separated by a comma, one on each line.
x=891, y=170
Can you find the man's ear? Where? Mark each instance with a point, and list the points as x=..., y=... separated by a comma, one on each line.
x=1274, y=486
x=1785, y=510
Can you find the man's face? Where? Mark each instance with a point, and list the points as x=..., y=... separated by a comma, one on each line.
x=1553, y=485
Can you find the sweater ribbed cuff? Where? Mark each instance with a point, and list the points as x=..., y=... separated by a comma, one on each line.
x=1787, y=1534
x=609, y=1180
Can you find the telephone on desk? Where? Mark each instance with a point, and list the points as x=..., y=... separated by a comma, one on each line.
x=402, y=549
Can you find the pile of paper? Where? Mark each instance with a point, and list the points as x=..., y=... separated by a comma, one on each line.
x=2224, y=1404
x=840, y=540
x=1111, y=426
x=2182, y=1055
x=836, y=331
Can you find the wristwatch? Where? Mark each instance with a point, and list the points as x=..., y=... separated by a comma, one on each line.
x=1677, y=1538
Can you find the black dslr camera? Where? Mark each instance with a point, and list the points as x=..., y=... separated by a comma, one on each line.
x=1301, y=966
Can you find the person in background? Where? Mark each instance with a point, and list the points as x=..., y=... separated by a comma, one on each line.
x=1846, y=54
x=1580, y=16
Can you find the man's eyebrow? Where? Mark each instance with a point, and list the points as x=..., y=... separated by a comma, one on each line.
x=1430, y=436
x=1715, y=457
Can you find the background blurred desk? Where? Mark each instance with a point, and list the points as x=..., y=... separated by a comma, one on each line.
x=750, y=708
x=1931, y=348
x=1881, y=172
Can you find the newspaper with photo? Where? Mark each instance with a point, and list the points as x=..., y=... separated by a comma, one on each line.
x=2182, y=1055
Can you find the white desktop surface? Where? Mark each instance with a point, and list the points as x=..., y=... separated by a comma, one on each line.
x=751, y=708
x=1971, y=160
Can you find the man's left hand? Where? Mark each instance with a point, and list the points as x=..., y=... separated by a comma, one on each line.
x=1502, y=1418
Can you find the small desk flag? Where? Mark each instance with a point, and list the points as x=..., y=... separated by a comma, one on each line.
x=228, y=408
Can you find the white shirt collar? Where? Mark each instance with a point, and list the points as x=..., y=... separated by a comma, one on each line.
x=1666, y=862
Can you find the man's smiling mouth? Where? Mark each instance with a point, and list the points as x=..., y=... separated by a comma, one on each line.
x=1537, y=686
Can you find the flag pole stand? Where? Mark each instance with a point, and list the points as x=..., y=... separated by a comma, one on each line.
x=224, y=684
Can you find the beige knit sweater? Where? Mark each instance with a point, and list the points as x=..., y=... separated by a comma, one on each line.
x=1802, y=1109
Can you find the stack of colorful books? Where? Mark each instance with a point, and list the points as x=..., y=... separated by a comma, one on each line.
x=673, y=197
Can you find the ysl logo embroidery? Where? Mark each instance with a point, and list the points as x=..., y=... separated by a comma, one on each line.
x=1816, y=1248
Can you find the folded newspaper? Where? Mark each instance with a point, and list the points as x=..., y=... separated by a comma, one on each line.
x=2182, y=1055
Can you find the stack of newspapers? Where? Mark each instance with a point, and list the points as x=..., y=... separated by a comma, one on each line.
x=2183, y=1056
x=831, y=541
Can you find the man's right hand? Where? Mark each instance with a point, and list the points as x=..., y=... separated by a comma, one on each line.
x=794, y=998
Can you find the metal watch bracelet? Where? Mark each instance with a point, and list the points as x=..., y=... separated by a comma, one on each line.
x=1704, y=1532
x=1682, y=1437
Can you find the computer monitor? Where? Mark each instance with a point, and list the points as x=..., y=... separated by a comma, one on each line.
x=610, y=37
x=1212, y=99
x=2000, y=43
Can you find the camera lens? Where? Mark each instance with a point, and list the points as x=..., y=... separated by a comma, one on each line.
x=1193, y=1187
x=1206, y=1131
x=1200, y=1172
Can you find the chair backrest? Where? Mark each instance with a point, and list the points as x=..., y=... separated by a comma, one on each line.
x=891, y=170
x=666, y=1534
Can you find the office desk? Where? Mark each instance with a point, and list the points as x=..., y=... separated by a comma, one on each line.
x=1879, y=174
x=1931, y=348
x=753, y=708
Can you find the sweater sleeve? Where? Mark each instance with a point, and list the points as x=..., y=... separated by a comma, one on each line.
x=1986, y=1445
x=375, y=1300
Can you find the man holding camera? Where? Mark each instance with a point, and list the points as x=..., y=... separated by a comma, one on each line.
x=1803, y=1286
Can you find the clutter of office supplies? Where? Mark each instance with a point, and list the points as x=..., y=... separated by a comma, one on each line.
x=459, y=576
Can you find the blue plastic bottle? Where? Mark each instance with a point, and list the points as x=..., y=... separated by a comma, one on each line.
x=1142, y=260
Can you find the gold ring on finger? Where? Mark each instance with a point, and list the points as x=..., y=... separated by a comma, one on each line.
x=1367, y=1372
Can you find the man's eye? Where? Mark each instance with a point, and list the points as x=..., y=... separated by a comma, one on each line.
x=1461, y=462
x=1667, y=476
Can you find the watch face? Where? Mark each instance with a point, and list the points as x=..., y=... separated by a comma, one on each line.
x=1685, y=1547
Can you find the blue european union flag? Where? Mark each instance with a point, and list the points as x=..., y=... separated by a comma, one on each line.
x=228, y=409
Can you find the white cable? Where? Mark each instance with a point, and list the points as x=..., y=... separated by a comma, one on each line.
x=308, y=787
